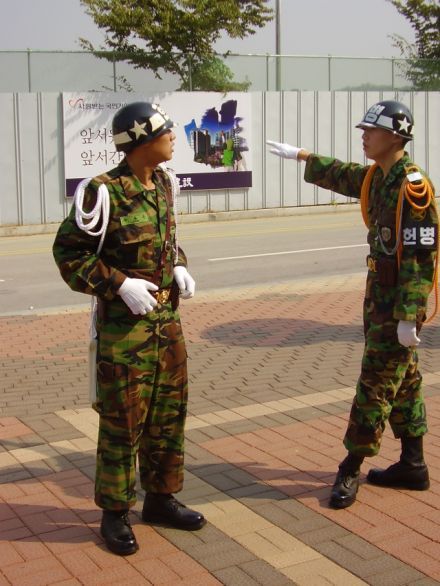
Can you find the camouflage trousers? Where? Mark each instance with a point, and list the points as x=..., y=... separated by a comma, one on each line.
x=141, y=400
x=389, y=386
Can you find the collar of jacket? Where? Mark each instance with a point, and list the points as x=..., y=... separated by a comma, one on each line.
x=131, y=184
x=397, y=170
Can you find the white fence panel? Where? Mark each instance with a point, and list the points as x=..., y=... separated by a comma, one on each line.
x=32, y=158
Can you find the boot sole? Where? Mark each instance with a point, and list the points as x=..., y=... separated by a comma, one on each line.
x=157, y=520
x=122, y=553
x=338, y=504
x=117, y=551
x=403, y=486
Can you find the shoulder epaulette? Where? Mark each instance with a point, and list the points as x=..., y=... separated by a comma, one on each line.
x=104, y=178
x=413, y=174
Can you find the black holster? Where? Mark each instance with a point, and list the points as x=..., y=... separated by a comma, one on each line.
x=175, y=295
x=387, y=271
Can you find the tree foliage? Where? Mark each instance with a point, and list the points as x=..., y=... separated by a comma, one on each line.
x=175, y=36
x=214, y=75
x=423, y=66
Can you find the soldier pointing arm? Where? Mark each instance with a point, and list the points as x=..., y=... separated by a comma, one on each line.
x=399, y=210
x=142, y=382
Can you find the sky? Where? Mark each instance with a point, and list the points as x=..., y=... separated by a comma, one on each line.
x=354, y=28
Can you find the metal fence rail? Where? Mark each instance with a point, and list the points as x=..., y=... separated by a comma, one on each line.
x=55, y=71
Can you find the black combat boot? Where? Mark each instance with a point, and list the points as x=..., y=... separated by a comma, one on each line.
x=164, y=508
x=117, y=533
x=346, y=485
x=410, y=472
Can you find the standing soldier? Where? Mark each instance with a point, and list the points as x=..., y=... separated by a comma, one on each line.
x=141, y=358
x=399, y=210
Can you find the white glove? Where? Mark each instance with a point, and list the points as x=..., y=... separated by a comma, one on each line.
x=282, y=149
x=406, y=333
x=135, y=294
x=185, y=282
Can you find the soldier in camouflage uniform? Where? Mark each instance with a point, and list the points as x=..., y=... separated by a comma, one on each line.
x=397, y=290
x=141, y=360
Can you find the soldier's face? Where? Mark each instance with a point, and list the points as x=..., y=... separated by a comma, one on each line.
x=378, y=143
x=161, y=148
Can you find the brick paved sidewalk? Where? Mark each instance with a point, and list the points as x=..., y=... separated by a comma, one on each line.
x=272, y=377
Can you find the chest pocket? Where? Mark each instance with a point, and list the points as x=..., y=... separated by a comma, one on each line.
x=136, y=245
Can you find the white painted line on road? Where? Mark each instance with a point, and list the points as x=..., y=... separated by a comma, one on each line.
x=25, y=251
x=285, y=252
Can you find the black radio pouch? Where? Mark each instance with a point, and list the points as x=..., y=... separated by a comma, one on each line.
x=175, y=295
x=387, y=271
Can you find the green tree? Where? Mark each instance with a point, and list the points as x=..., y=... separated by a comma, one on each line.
x=423, y=58
x=175, y=36
x=214, y=75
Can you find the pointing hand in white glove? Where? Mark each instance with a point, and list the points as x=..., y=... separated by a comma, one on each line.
x=136, y=295
x=185, y=282
x=406, y=333
x=282, y=149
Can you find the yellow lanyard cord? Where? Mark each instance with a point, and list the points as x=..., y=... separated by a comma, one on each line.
x=365, y=194
x=410, y=192
x=414, y=192
x=418, y=191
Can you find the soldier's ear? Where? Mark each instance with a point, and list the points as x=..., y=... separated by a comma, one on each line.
x=399, y=141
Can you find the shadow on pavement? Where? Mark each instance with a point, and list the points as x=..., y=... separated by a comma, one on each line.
x=289, y=332
x=281, y=332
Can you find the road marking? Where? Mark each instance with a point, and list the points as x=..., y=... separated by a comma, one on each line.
x=256, y=231
x=247, y=229
x=25, y=251
x=285, y=252
x=188, y=232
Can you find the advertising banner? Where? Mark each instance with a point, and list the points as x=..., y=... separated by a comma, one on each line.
x=213, y=137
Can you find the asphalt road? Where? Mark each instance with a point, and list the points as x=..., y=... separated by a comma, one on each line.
x=221, y=254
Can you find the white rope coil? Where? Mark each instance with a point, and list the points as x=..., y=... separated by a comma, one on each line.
x=101, y=211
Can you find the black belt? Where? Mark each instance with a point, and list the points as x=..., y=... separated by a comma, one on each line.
x=162, y=297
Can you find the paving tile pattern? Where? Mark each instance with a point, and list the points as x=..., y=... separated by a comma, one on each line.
x=272, y=379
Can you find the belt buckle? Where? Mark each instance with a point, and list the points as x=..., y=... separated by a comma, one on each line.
x=371, y=264
x=163, y=296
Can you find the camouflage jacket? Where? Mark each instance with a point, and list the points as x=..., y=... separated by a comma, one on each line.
x=417, y=267
x=134, y=238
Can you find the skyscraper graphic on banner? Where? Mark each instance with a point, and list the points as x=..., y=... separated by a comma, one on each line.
x=218, y=142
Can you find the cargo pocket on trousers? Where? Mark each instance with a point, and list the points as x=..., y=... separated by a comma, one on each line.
x=113, y=389
x=118, y=402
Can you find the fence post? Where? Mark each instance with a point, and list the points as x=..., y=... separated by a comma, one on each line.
x=267, y=72
x=329, y=73
x=392, y=73
x=190, y=74
x=29, y=70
